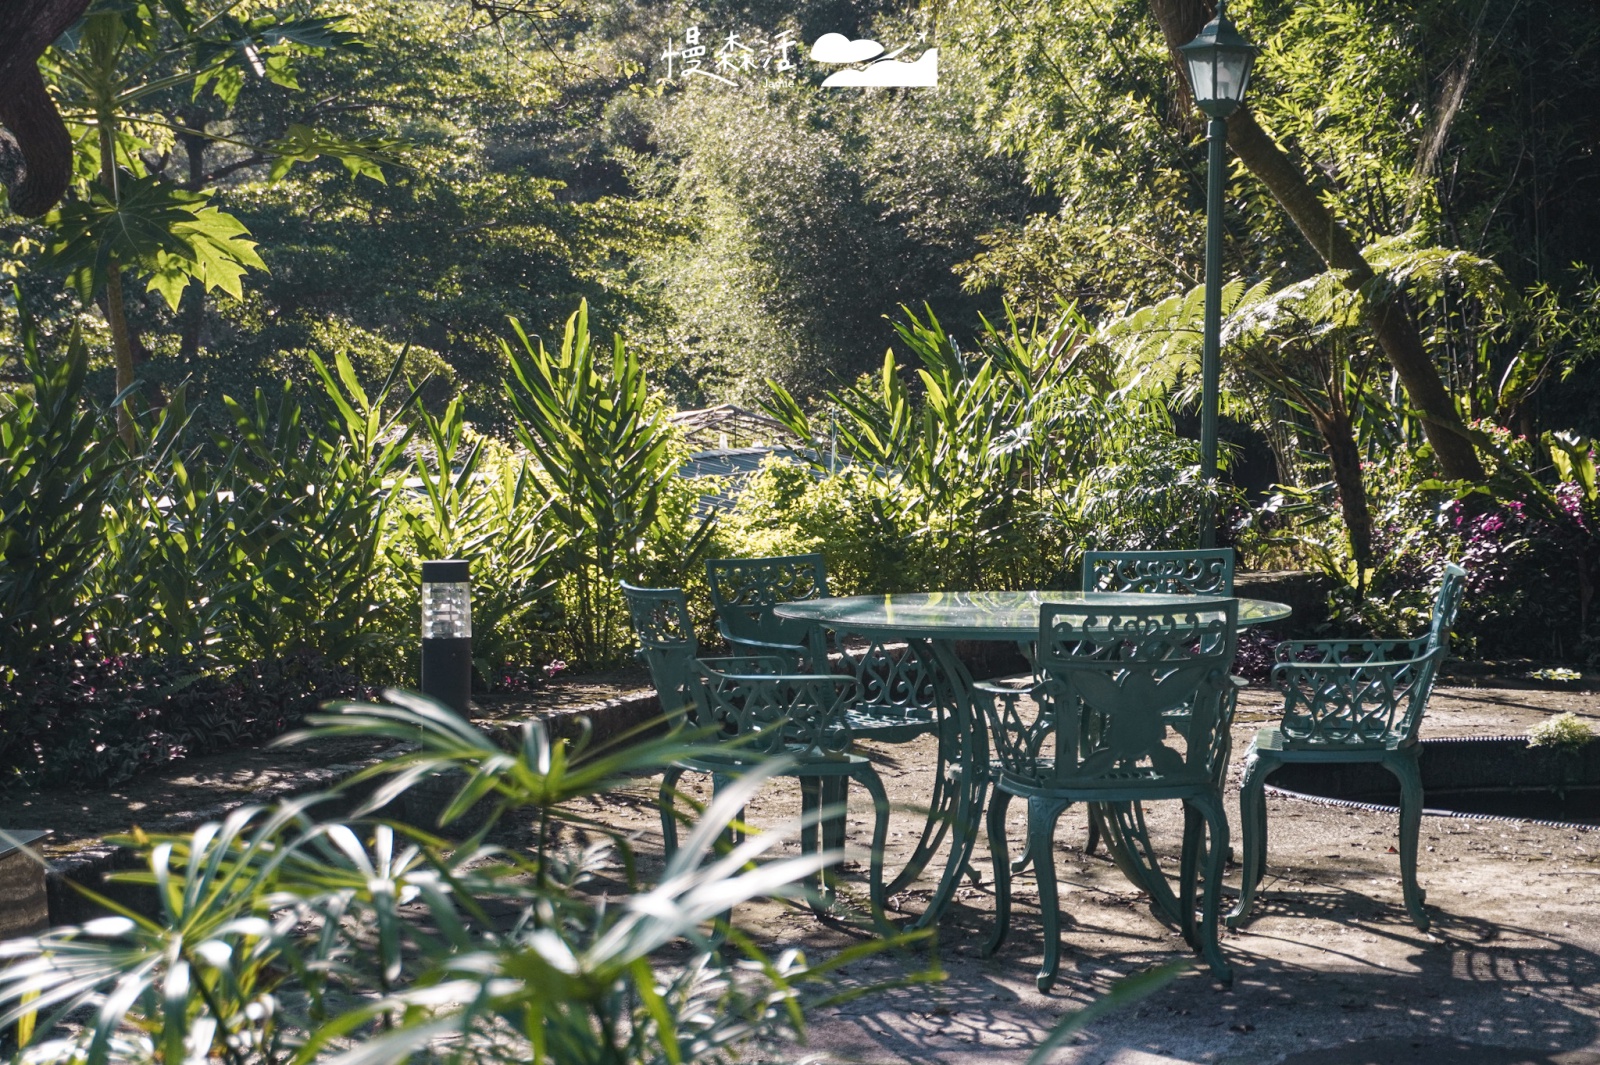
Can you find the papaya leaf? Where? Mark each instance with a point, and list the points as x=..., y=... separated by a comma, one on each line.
x=170, y=235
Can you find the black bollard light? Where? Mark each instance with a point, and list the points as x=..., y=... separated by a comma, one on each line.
x=447, y=632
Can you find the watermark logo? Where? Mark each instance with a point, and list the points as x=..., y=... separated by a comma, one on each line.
x=736, y=56
x=883, y=70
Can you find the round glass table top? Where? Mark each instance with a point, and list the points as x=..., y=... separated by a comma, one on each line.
x=981, y=615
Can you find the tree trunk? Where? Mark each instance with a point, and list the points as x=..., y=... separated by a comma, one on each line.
x=35, y=150
x=122, y=347
x=1386, y=315
x=1339, y=442
x=192, y=313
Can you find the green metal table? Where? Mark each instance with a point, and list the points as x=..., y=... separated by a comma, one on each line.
x=940, y=619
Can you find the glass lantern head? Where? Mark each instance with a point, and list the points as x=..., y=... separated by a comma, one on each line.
x=1219, y=65
x=446, y=600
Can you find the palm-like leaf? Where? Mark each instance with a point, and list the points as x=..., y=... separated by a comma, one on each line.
x=283, y=938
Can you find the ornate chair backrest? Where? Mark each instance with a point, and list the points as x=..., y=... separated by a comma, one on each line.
x=1445, y=606
x=803, y=715
x=667, y=645
x=1112, y=676
x=1208, y=572
x=744, y=591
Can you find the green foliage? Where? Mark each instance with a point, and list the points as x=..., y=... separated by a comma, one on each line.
x=173, y=236
x=286, y=545
x=814, y=214
x=319, y=585
x=283, y=935
x=1007, y=465
x=86, y=721
x=604, y=447
x=487, y=506
x=59, y=468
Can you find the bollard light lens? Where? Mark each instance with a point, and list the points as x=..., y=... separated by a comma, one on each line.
x=447, y=611
x=446, y=600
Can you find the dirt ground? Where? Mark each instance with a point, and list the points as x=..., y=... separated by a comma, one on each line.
x=1328, y=972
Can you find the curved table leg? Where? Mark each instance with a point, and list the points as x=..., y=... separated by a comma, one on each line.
x=942, y=802
x=969, y=777
x=1127, y=840
x=941, y=810
x=907, y=681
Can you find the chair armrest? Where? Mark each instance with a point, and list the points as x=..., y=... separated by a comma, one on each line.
x=794, y=651
x=747, y=666
x=1370, y=666
x=1340, y=652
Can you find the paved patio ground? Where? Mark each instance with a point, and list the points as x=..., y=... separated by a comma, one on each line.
x=1329, y=971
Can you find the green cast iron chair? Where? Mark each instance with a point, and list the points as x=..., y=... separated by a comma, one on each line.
x=1109, y=678
x=668, y=646
x=1198, y=572
x=765, y=713
x=744, y=591
x=898, y=690
x=1362, y=702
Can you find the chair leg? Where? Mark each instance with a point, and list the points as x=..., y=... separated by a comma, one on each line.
x=731, y=838
x=665, y=800
x=1211, y=902
x=811, y=832
x=1253, y=824
x=1194, y=852
x=870, y=780
x=1092, y=844
x=1042, y=817
x=1000, y=855
x=835, y=795
x=719, y=781
x=1403, y=764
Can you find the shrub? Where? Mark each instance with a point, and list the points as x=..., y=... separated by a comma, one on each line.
x=1568, y=732
x=1531, y=551
x=61, y=466
x=604, y=448
x=93, y=721
x=1010, y=463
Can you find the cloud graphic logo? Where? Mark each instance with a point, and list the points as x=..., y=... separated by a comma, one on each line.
x=888, y=73
x=837, y=48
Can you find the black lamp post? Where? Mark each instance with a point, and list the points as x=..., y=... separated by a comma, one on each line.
x=447, y=632
x=1219, y=68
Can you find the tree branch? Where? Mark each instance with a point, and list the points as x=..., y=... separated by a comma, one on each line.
x=35, y=149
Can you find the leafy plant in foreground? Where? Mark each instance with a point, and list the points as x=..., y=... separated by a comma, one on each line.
x=284, y=937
